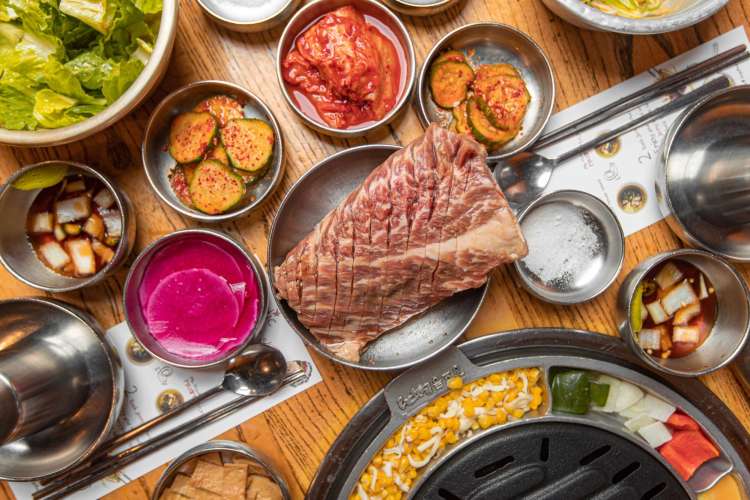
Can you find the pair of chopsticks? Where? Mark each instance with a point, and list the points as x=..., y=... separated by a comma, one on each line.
x=107, y=465
x=670, y=84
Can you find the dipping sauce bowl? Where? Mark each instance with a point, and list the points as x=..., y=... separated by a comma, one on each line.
x=237, y=15
x=195, y=298
x=576, y=247
x=730, y=330
x=18, y=255
x=421, y=7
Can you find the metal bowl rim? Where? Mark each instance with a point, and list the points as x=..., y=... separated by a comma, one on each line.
x=117, y=378
x=411, y=66
x=304, y=334
x=127, y=102
x=679, y=124
x=219, y=445
x=434, y=4
x=628, y=335
x=243, y=24
x=151, y=126
x=257, y=271
x=621, y=248
x=123, y=245
x=440, y=45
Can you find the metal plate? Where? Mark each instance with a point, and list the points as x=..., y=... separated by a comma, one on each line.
x=493, y=43
x=371, y=427
x=313, y=196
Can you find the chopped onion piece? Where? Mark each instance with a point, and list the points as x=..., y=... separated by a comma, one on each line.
x=687, y=313
x=657, y=409
x=73, y=209
x=657, y=312
x=636, y=423
x=688, y=334
x=621, y=394
x=644, y=314
x=54, y=254
x=94, y=226
x=649, y=338
x=655, y=434
x=668, y=276
x=633, y=410
x=59, y=232
x=82, y=255
x=362, y=493
x=679, y=297
x=703, y=288
x=43, y=222
x=75, y=186
x=113, y=223
x=104, y=198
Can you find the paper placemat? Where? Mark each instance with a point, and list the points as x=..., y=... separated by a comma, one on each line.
x=152, y=386
x=623, y=172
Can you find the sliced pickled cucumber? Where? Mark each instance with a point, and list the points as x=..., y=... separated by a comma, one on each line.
x=451, y=55
x=482, y=129
x=214, y=188
x=191, y=135
x=460, y=121
x=503, y=93
x=218, y=153
x=222, y=107
x=449, y=83
x=249, y=143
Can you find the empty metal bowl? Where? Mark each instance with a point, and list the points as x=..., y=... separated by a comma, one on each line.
x=730, y=331
x=253, y=17
x=19, y=257
x=420, y=7
x=493, y=43
x=158, y=162
x=226, y=450
x=132, y=306
x=308, y=15
x=59, y=339
x=687, y=13
x=140, y=89
x=703, y=185
x=606, y=254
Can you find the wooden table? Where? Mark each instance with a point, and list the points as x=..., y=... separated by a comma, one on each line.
x=298, y=433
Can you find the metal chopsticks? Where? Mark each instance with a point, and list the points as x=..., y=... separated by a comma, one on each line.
x=669, y=84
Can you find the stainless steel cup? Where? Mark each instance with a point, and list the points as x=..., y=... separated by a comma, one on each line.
x=41, y=383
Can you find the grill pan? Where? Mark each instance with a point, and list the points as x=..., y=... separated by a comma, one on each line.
x=311, y=198
x=379, y=418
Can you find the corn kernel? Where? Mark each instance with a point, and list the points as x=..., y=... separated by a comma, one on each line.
x=365, y=479
x=455, y=383
x=377, y=461
x=412, y=473
x=501, y=417
x=517, y=413
x=486, y=421
x=451, y=438
x=495, y=379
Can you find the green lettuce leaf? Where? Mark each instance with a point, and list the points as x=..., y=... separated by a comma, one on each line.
x=53, y=110
x=90, y=68
x=148, y=6
x=16, y=103
x=120, y=79
x=99, y=14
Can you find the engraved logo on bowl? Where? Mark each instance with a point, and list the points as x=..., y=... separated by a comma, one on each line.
x=631, y=198
x=168, y=400
x=136, y=353
x=435, y=385
x=609, y=149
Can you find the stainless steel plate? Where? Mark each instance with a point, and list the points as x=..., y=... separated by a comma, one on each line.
x=62, y=446
x=314, y=195
x=493, y=43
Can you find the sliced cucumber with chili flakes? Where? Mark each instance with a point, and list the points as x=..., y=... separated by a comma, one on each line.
x=482, y=129
x=460, y=121
x=504, y=95
x=191, y=135
x=451, y=55
x=218, y=153
x=222, y=107
x=449, y=83
x=215, y=188
x=249, y=143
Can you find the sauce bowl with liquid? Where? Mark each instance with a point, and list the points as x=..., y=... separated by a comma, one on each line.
x=731, y=325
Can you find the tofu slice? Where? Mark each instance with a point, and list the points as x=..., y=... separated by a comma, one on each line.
x=54, y=255
x=83, y=256
x=73, y=209
x=43, y=222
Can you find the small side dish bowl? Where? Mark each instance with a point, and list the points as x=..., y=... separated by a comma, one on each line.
x=179, y=252
x=16, y=251
x=494, y=43
x=158, y=163
x=386, y=20
x=686, y=14
x=260, y=16
x=225, y=452
x=420, y=7
x=730, y=329
x=140, y=89
x=598, y=227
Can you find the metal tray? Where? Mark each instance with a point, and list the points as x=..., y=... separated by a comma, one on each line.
x=407, y=394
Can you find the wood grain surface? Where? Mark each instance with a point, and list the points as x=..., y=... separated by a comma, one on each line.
x=297, y=433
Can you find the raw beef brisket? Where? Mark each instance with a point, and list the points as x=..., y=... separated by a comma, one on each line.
x=426, y=224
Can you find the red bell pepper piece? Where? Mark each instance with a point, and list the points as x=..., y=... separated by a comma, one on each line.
x=681, y=422
x=687, y=451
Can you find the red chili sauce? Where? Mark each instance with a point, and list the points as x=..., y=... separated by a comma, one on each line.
x=346, y=69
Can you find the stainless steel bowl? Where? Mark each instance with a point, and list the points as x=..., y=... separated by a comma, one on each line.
x=730, y=332
x=421, y=7
x=237, y=16
x=158, y=163
x=306, y=16
x=76, y=338
x=16, y=252
x=140, y=89
x=494, y=43
x=605, y=265
x=703, y=184
x=315, y=194
x=687, y=13
x=132, y=307
x=226, y=449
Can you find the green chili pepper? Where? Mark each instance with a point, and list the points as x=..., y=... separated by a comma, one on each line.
x=599, y=393
x=636, y=309
x=571, y=392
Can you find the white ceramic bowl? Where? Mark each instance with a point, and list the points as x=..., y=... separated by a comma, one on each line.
x=138, y=91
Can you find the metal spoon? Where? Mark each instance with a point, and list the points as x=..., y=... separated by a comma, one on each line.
x=525, y=176
x=258, y=371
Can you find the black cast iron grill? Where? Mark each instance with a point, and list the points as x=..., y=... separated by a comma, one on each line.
x=551, y=461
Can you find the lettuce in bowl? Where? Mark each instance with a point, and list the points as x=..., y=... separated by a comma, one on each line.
x=64, y=61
